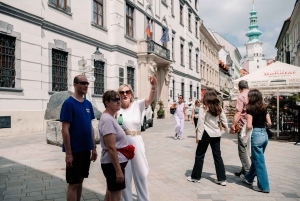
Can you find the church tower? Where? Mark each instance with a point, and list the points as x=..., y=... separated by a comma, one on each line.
x=254, y=58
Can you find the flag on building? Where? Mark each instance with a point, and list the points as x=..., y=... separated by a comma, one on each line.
x=149, y=29
x=165, y=37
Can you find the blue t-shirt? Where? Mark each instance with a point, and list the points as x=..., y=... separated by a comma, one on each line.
x=80, y=116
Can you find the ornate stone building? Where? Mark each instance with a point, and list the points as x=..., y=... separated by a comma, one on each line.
x=43, y=42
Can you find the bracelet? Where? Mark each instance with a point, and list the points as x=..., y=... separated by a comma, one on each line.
x=153, y=89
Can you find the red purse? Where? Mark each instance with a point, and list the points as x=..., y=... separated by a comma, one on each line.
x=127, y=151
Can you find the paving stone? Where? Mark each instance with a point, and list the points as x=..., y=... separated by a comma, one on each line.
x=34, y=198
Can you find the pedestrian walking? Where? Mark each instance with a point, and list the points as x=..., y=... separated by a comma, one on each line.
x=257, y=116
x=239, y=120
x=131, y=112
x=112, y=138
x=180, y=116
x=78, y=137
x=189, y=109
x=209, y=133
x=195, y=112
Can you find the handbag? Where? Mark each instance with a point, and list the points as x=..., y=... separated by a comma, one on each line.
x=172, y=110
x=221, y=125
x=127, y=151
x=269, y=132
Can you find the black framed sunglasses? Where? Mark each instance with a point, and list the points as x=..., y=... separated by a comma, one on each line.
x=83, y=83
x=116, y=99
x=124, y=92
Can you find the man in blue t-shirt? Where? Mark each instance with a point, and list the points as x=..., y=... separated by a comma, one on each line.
x=78, y=137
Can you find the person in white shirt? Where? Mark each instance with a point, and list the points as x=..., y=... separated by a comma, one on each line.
x=189, y=110
x=209, y=133
x=137, y=168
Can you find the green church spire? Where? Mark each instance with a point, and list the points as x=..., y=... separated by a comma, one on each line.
x=253, y=32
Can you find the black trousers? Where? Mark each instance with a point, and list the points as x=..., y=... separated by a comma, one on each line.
x=200, y=154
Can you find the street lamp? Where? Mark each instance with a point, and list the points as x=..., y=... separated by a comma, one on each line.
x=97, y=55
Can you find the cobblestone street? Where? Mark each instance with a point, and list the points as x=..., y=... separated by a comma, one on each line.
x=30, y=169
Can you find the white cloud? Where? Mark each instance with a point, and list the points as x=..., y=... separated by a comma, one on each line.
x=230, y=18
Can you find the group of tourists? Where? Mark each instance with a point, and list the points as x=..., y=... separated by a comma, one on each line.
x=123, y=152
x=249, y=124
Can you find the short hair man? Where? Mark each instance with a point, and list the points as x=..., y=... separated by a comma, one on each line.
x=78, y=137
x=240, y=119
x=190, y=107
x=179, y=115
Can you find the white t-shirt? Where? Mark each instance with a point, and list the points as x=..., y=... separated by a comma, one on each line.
x=132, y=116
x=108, y=125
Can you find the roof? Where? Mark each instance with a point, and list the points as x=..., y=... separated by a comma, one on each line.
x=285, y=27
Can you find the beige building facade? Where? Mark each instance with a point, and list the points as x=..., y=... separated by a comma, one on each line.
x=210, y=75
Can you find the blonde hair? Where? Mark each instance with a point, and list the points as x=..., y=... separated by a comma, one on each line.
x=197, y=100
x=130, y=88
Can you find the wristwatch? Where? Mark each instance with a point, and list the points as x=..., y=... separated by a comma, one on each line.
x=95, y=146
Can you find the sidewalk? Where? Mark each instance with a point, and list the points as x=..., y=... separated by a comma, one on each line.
x=30, y=169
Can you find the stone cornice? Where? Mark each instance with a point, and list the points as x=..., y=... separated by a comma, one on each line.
x=22, y=15
x=210, y=39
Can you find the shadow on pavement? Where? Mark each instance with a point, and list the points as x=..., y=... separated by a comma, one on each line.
x=21, y=182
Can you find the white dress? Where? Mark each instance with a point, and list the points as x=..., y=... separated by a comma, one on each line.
x=137, y=168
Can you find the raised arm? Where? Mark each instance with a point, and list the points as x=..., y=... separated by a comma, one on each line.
x=150, y=98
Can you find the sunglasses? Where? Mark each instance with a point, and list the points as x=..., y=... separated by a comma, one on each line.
x=83, y=83
x=124, y=92
x=116, y=99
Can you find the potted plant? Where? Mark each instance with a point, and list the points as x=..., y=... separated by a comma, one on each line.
x=161, y=111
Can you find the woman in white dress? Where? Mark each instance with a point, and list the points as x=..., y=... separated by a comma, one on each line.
x=137, y=168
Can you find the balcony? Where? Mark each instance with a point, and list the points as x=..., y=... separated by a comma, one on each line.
x=155, y=48
x=152, y=48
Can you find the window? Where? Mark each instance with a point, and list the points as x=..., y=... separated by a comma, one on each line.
x=130, y=77
x=59, y=70
x=197, y=92
x=173, y=49
x=121, y=76
x=197, y=68
x=257, y=60
x=182, y=90
x=60, y=3
x=189, y=22
x=7, y=61
x=191, y=91
x=181, y=54
x=99, y=77
x=190, y=59
x=196, y=29
x=257, y=66
x=98, y=12
x=196, y=4
x=129, y=21
x=181, y=13
x=173, y=89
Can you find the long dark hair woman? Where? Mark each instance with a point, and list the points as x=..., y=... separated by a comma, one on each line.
x=257, y=116
x=208, y=133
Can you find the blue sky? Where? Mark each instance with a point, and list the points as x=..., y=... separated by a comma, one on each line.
x=230, y=18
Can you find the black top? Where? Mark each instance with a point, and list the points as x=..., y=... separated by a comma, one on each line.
x=258, y=120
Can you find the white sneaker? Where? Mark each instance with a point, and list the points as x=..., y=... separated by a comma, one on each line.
x=180, y=138
x=175, y=138
x=189, y=178
x=222, y=183
x=245, y=180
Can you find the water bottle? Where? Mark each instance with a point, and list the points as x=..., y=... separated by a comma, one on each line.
x=120, y=120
